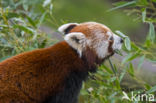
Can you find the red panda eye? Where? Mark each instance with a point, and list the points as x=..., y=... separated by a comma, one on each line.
x=111, y=38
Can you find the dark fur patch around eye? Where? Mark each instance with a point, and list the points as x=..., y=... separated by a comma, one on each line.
x=66, y=31
x=75, y=39
x=110, y=49
x=111, y=38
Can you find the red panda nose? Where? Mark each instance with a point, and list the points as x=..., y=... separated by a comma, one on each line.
x=121, y=40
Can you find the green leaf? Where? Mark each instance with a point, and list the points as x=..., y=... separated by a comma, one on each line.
x=134, y=56
x=126, y=58
x=127, y=43
x=152, y=32
x=122, y=74
x=120, y=34
x=24, y=28
x=112, y=79
x=141, y=62
x=51, y=7
x=46, y=2
x=131, y=70
x=152, y=90
x=123, y=5
x=84, y=92
x=112, y=95
x=134, y=46
x=143, y=2
x=41, y=19
x=144, y=15
x=107, y=69
x=151, y=35
x=131, y=56
x=118, y=52
x=117, y=84
x=147, y=86
x=113, y=69
x=119, y=3
x=31, y=21
x=25, y=5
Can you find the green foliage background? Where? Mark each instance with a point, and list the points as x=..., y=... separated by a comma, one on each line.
x=19, y=32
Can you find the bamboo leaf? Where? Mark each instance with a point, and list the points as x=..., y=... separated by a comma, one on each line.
x=127, y=43
x=107, y=69
x=131, y=69
x=123, y=5
x=152, y=32
x=144, y=15
x=24, y=28
x=141, y=62
x=152, y=90
x=120, y=34
x=41, y=19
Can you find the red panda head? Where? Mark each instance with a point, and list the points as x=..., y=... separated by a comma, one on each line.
x=93, y=36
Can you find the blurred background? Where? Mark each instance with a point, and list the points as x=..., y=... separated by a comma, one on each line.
x=26, y=25
x=97, y=10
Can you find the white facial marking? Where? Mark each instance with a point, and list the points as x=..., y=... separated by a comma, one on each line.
x=99, y=43
x=80, y=45
x=102, y=49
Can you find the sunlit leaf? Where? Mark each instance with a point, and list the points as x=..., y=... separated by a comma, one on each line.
x=41, y=19
x=152, y=90
x=83, y=92
x=120, y=34
x=148, y=87
x=118, y=52
x=46, y=2
x=131, y=69
x=123, y=5
x=25, y=5
x=113, y=69
x=136, y=54
x=119, y=3
x=126, y=58
x=144, y=15
x=107, y=69
x=141, y=62
x=152, y=32
x=134, y=46
x=122, y=74
x=117, y=84
x=31, y=21
x=24, y=28
x=127, y=43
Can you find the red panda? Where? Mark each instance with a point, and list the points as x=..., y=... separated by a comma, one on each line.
x=55, y=74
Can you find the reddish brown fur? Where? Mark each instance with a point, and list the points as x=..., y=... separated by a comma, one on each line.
x=91, y=59
x=83, y=28
x=32, y=76
x=110, y=49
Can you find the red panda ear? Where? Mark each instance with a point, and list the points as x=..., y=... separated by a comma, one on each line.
x=76, y=40
x=65, y=28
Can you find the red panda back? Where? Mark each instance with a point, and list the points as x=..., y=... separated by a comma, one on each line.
x=32, y=76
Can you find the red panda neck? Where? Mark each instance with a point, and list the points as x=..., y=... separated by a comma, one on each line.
x=91, y=59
